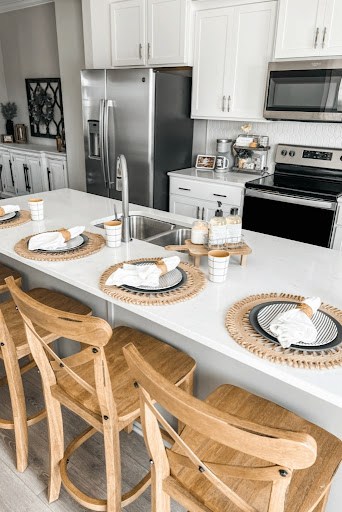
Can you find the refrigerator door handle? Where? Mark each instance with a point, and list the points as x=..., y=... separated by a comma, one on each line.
x=108, y=104
x=102, y=140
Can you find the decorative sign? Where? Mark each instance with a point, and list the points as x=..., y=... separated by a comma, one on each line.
x=45, y=105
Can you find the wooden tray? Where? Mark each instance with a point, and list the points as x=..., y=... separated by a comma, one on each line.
x=197, y=251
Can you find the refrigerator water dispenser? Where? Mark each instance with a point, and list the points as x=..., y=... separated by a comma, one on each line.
x=94, y=138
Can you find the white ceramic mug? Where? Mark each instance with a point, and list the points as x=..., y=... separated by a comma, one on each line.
x=218, y=261
x=113, y=230
x=36, y=206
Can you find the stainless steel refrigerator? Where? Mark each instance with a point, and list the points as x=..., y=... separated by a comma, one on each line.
x=145, y=115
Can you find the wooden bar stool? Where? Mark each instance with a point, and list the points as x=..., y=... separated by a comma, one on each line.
x=96, y=384
x=7, y=272
x=237, y=451
x=13, y=348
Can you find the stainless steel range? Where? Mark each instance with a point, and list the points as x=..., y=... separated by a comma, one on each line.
x=300, y=200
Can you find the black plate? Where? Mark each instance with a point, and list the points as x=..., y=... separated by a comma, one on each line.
x=253, y=318
x=17, y=214
x=164, y=290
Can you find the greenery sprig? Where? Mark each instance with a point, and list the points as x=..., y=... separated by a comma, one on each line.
x=9, y=110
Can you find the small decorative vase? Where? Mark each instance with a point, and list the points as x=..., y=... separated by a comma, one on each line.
x=10, y=127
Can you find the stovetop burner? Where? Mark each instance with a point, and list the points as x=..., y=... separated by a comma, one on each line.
x=304, y=172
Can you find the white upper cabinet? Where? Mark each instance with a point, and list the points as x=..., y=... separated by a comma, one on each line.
x=167, y=41
x=133, y=33
x=251, y=56
x=127, y=22
x=332, y=31
x=212, y=60
x=233, y=46
x=309, y=28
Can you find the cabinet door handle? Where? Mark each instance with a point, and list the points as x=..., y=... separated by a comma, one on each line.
x=2, y=185
x=27, y=179
x=202, y=213
x=12, y=178
x=182, y=188
x=223, y=103
x=228, y=107
x=48, y=177
x=324, y=36
x=148, y=50
x=316, y=37
x=140, y=51
x=198, y=212
x=219, y=195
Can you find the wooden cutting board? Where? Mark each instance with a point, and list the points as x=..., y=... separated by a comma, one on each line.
x=197, y=251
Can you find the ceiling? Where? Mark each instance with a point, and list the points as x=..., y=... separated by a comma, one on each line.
x=12, y=5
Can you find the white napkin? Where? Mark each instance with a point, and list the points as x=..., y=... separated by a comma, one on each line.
x=295, y=326
x=141, y=275
x=53, y=240
x=10, y=208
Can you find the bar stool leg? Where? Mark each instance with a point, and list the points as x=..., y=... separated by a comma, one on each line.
x=56, y=446
x=17, y=396
x=113, y=467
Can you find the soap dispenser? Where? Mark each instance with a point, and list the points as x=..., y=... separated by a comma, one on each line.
x=233, y=227
x=217, y=228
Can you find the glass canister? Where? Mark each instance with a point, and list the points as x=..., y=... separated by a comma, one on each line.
x=199, y=232
x=224, y=157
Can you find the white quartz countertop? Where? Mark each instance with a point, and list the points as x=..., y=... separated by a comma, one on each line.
x=276, y=265
x=39, y=148
x=228, y=178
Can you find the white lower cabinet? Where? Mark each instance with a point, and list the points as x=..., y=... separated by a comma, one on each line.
x=27, y=174
x=199, y=199
x=30, y=172
x=56, y=174
x=7, y=185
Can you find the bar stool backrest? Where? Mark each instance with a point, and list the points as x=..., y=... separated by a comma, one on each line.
x=287, y=450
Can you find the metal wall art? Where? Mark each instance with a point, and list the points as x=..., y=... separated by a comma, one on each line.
x=45, y=105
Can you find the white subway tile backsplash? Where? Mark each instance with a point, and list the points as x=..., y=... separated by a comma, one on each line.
x=288, y=132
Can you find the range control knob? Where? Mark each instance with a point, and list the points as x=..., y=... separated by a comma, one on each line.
x=292, y=153
x=284, y=152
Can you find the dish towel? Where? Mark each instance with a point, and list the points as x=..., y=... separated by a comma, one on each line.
x=142, y=275
x=54, y=239
x=8, y=208
x=295, y=325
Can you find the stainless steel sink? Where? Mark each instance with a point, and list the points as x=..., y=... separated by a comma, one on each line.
x=175, y=237
x=144, y=227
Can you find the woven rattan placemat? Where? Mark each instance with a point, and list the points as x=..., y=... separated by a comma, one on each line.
x=194, y=284
x=240, y=329
x=23, y=217
x=94, y=244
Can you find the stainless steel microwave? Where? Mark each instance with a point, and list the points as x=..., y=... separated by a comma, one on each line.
x=304, y=91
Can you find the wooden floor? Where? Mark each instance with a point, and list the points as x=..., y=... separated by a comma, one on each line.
x=26, y=492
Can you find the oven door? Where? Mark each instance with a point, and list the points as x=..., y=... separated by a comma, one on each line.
x=306, y=94
x=295, y=218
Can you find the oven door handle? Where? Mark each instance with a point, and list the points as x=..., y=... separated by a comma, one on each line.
x=315, y=203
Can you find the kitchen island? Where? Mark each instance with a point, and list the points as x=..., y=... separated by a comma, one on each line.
x=197, y=326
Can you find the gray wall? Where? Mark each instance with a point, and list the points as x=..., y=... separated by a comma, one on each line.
x=29, y=47
x=71, y=61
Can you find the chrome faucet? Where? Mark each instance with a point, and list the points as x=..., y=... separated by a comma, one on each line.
x=122, y=175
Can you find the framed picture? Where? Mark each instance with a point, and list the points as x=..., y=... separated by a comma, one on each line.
x=206, y=162
x=20, y=133
x=7, y=138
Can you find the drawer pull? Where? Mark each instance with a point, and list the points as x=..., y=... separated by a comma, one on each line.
x=187, y=189
x=219, y=195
